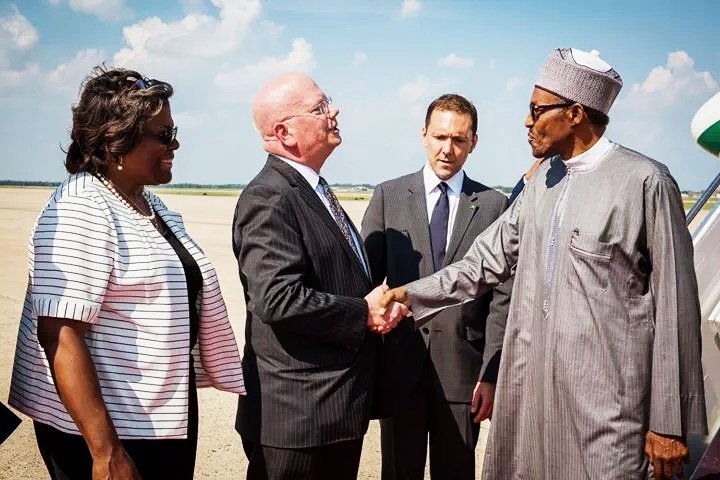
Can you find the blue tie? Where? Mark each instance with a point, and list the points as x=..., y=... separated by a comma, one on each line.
x=439, y=227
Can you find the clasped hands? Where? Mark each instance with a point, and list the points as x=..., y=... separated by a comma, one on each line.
x=386, y=308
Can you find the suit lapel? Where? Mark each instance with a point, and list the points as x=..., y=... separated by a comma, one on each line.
x=306, y=192
x=312, y=200
x=419, y=230
x=169, y=218
x=467, y=207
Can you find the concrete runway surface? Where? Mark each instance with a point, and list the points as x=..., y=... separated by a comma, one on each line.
x=208, y=221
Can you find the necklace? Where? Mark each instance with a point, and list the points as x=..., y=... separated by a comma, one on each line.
x=127, y=201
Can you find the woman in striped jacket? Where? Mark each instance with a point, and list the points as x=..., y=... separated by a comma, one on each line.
x=123, y=316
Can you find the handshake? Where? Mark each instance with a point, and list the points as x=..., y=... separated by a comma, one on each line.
x=386, y=307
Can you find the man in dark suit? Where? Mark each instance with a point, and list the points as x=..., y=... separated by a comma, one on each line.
x=437, y=382
x=518, y=188
x=309, y=358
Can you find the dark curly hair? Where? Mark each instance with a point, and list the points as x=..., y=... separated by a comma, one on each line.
x=108, y=120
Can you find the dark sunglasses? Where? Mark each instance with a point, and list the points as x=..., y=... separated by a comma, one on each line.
x=537, y=110
x=167, y=137
x=141, y=83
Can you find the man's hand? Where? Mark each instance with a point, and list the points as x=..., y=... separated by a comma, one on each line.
x=666, y=454
x=482, y=401
x=382, y=319
x=397, y=294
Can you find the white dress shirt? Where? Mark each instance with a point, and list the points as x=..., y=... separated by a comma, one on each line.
x=432, y=194
x=313, y=178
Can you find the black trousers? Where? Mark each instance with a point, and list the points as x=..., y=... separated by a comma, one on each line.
x=429, y=418
x=8, y=422
x=67, y=457
x=337, y=461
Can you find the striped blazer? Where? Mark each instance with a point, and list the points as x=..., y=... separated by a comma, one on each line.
x=93, y=260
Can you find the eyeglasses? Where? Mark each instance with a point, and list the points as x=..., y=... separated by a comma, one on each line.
x=537, y=110
x=167, y=137
x=320, y=110
x=323, y=108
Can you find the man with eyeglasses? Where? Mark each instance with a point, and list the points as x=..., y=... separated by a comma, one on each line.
x=310, y=336
x=600, y=375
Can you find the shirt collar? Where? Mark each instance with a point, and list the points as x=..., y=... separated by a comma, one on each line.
x=312, y=177
x=431, y=180
x=590, y=157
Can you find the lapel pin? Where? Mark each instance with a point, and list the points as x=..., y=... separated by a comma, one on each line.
x=472, y=207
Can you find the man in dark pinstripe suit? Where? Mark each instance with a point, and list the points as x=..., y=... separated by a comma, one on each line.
x=309, y=358
x=429, y=376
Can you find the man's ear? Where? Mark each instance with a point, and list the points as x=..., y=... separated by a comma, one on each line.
x=474, y=142
x=283, y=134
x=576, y=112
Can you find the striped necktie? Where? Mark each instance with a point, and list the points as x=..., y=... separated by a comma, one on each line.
x=339, y=216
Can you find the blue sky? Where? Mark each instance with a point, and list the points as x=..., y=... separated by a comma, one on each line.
x=382, y=62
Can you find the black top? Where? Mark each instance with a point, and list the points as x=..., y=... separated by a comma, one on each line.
x=193, y=279
x=8, y=422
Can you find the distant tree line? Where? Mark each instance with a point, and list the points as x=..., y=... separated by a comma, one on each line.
x=351, y=185
x=225, y=186
x=238, y=186
x=28, y=183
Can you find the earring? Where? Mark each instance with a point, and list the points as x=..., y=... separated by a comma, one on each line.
x=119, y=164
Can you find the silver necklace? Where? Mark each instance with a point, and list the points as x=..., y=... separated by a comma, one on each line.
x=127, y=201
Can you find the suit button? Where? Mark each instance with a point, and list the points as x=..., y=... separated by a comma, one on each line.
x=425, y=330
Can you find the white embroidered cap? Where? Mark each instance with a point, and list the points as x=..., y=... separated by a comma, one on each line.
x=582, y=77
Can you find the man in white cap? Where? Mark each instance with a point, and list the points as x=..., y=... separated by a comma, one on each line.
x=600, y=375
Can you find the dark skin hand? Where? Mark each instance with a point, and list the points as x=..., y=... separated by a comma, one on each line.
x=397, y=294
x=666, y=454
x=77, y=384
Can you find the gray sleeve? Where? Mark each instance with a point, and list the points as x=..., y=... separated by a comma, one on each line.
x=677, y=402
x=489, y=262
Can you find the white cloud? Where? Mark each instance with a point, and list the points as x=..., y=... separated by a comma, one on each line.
x=513, y=83
x=67, y=76
x=103, y=9
x=422, y=88
x=665, y=84
x=300, y=58
x=17, y=32
x=410, y=8
x=17, y=35
x=170, y=47
x=17, y=78
x=360, y=57
x=654, y=110
x=453, y=61
x=415, y=90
